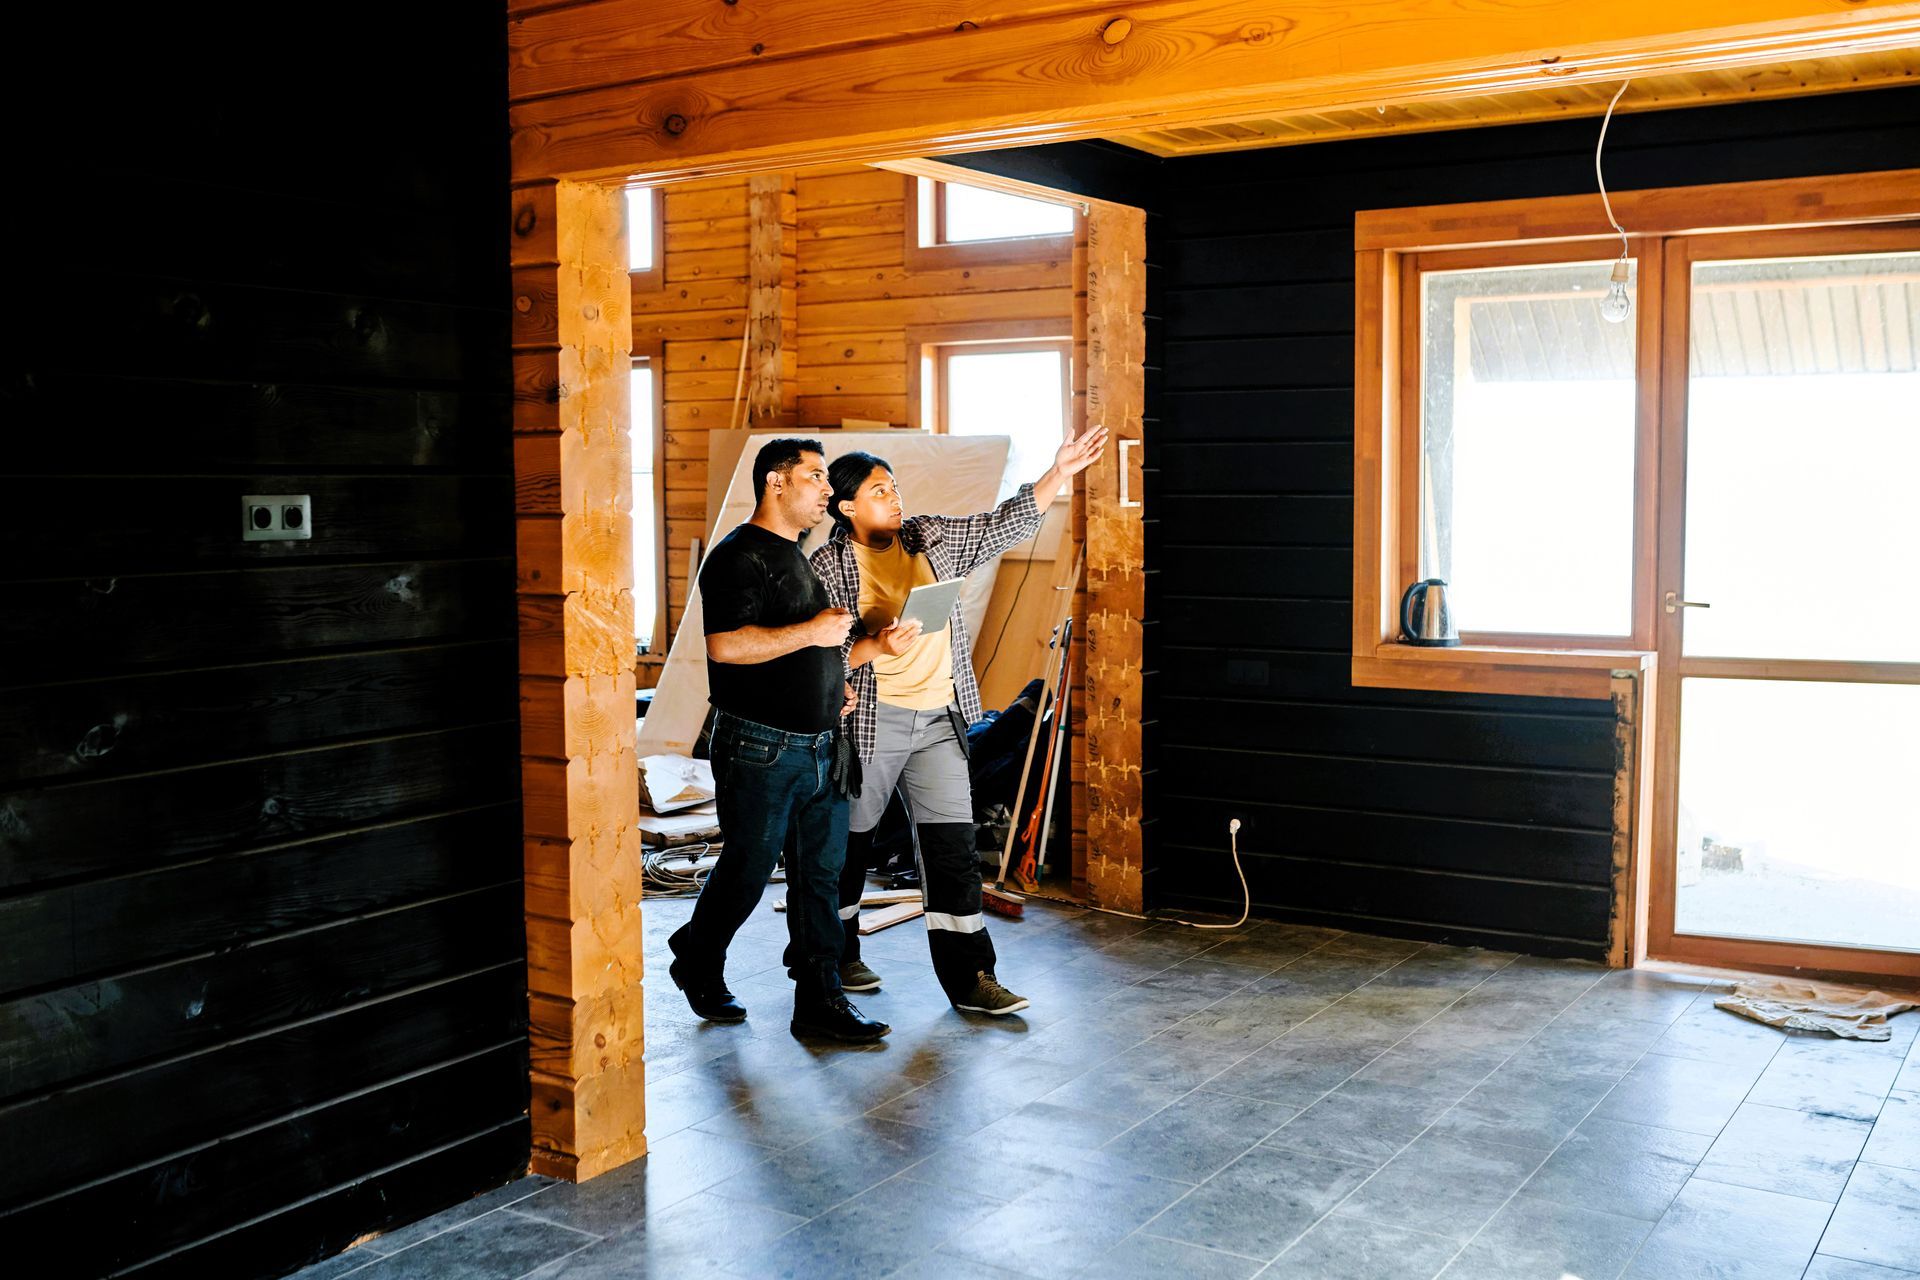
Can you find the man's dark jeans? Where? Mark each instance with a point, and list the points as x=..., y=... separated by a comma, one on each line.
x=774, y=791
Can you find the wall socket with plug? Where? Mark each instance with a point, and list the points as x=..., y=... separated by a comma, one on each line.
x=275, y=517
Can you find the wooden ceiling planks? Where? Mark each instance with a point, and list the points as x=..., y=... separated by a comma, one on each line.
x=867, y=80
x=1878, y=68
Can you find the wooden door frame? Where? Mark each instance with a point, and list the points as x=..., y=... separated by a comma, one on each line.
x=1662, y=942
x=572, y=356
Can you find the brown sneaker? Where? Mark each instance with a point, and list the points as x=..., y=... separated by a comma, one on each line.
x=855, y=976
x=988, y=996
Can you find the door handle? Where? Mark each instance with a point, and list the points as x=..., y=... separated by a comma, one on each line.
x=1675, y=603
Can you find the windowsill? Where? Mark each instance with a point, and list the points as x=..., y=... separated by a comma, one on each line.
x=1540, y=673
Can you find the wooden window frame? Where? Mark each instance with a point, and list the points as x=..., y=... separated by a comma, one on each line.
x=654, y=278
x=926, y=343
x=1388, y=246
x=1012, y=251
x=653, y=354
x=1410, y=425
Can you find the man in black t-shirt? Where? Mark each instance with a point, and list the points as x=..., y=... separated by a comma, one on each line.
x=779, y=690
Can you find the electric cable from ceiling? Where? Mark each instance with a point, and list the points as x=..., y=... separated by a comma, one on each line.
x=1617, y=305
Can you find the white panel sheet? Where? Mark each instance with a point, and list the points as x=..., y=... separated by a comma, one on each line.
x=938, y=475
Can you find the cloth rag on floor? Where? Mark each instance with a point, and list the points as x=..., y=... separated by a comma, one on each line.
x=1849, y=1012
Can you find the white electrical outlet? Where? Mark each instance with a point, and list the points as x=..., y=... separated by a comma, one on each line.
x=275, y=517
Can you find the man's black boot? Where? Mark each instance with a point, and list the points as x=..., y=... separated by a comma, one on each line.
x=820, y=1008
x=707, y=994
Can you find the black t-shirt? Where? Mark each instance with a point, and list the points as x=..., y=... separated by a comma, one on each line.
x=755, y=578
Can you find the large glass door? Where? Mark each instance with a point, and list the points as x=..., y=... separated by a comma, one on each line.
x=1789, y=621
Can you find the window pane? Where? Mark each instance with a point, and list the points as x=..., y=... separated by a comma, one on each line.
x=1803, y=441
x=646, y=554
x=640, y=228
x=974, y=213
x=1010, y=393
x=1795, y=817
x=1527, y=426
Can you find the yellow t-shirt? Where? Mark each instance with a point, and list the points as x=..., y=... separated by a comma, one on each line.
x=921, y=679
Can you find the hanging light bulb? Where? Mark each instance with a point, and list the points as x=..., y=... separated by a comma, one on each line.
x=1618, y=304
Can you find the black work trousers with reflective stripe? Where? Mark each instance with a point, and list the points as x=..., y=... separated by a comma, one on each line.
x=921, y=753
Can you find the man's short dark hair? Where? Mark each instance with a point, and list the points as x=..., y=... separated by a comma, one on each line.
x=779, y=455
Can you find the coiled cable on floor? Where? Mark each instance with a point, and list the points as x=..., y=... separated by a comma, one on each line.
x=664, y=880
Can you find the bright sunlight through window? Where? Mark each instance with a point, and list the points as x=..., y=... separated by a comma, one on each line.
x=646, y=550
x=1527, y=448
x=975, y=213
x=1020, y=394
x=640, y=246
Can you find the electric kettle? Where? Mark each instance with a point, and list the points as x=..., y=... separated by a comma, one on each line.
x=1425, y=617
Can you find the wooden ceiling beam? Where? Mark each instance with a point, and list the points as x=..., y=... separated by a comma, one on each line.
x=1152, y=65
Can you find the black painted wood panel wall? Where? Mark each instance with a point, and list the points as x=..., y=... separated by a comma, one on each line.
x=262, y=979
x=1478, y=820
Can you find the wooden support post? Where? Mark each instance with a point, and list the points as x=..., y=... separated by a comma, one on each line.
x=573, y=337
x=1115, y=287
x=772, y=345
x=1633, y=703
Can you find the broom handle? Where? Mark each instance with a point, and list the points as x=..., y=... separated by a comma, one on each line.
x=1061, y=744
x=1033, y=741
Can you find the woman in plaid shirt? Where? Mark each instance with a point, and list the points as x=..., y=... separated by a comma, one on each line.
x=917, y=694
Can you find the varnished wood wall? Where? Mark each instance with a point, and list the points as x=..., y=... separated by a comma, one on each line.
x=854, y=300
x=262, y=982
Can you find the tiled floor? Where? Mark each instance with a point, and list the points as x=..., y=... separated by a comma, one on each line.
x=1276, y=1101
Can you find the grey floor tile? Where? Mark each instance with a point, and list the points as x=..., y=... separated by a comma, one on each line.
x=1049, y=1124
x=1878, y=1218
x=1198, y=1135
x=1261, y=1203
x=1135, y=1084
x=1706, y=1034
x=1444, y=1185
x=1631, y=1170
x=1295, y=1074
x=1679, y=1093
x=1796, y=1153
x=940, y=1265
x=674, y=1168
x=340, y=1264
x=1322, y=973
x=1366, y=944
x=1831, y=1077
x=1066, y=1224
x=1362, y=1121
x=502, y=1245
x=683, y=1100
x=1343, y=1248
x=1523, y=1106
x=1714, y=1229
x=1577, y=1044
x=1450, y=1072
x=813, y=1177
x=1896, y=1133
x=1532, y=1238
x=878, y=1231
x=1639, y=995
x=487, y=1201
x=1830, y=1268
x=1265, y=946
x=1145, y=1257
x=698, y=1236
x=1243, y=1021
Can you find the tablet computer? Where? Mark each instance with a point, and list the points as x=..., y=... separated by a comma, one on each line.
x=932, y=603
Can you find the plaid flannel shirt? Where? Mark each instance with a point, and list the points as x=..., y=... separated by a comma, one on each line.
x=954, y=546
